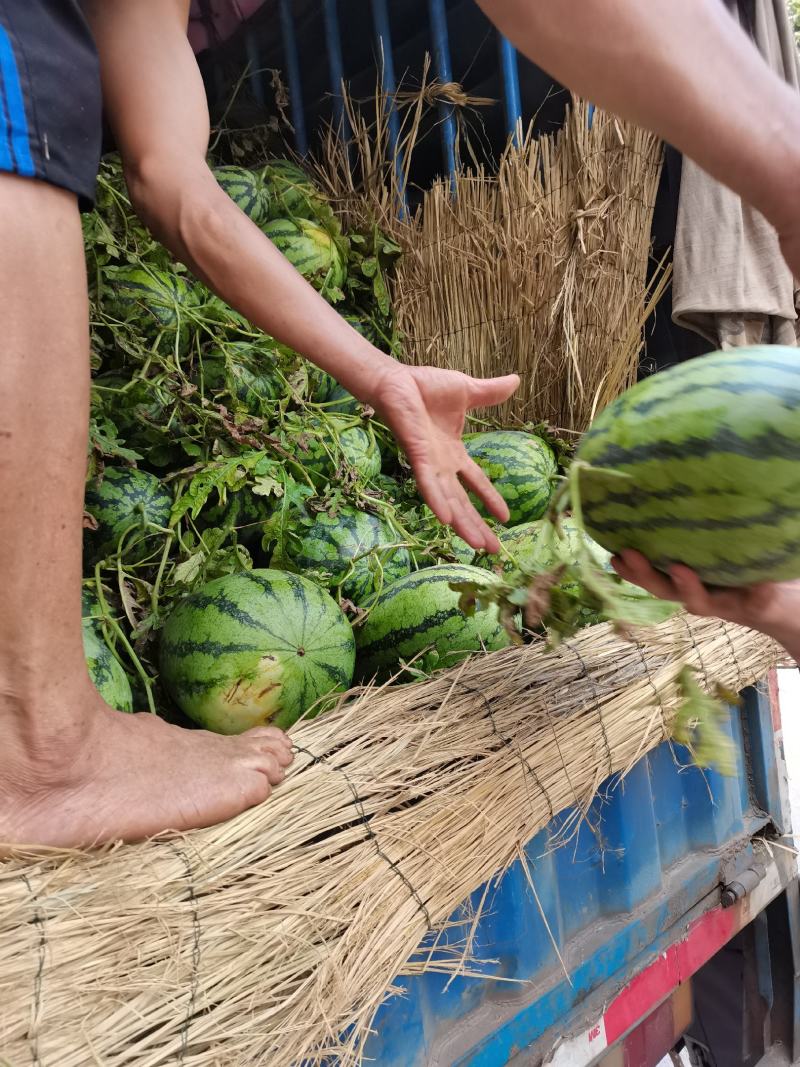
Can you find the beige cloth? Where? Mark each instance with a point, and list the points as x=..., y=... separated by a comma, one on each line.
x=731, y=284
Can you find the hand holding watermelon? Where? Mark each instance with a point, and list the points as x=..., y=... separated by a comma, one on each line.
x=425, y=408
x=772, y=608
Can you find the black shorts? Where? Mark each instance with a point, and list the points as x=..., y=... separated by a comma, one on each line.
x=50, y=99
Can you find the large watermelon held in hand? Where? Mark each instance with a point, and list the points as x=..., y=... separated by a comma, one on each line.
x=248, y=190
x=700, y=465
x=313, y=251
x=418, y=616
x=255, y=648
x=359, y=550
x=125, y=498
x=521, y=467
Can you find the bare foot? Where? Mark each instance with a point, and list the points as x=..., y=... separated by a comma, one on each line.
x=127, y=777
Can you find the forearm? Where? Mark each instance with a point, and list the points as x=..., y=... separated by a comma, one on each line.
x=201, y=226
x=683, y=69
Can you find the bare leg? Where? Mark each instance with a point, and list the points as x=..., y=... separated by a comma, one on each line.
x=72, y=770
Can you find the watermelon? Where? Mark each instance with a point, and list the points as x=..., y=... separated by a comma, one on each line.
x=361, y=325
x=535, y=546
x=522, y=468
x=337, y=400
x=134, y=400
x=429, y=531
x=357, y=448
x=699, y=465
x=244, y=512
x=105, y=670
x=311, y=250
x=254, y=648
x=147, y=414
x=388, y=485
x=350, y=546
x=292, y=193
x=246, y=372
x=419, y=616
x=126, y=497
x=154, y=299
x=248, y=190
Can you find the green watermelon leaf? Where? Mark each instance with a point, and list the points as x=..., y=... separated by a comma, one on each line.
x=698, y=726
x=229, y=474
x=189, y=569
x=265, y=485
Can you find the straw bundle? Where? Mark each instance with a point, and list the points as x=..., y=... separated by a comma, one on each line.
x=266, y=939
x=540, y=268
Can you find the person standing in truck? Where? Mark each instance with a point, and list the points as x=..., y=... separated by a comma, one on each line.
x=72, y=771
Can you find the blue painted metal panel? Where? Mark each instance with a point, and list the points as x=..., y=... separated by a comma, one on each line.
x=604, y=887
x=292, y=62
x=511, y=94
x=385, y=60
x=333, y=41
x=444, y=72
x=256, y=74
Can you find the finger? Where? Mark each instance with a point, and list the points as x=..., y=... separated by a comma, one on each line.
x=691, y=592
x=633, y=567
x=431, y=491
x=466, y=521
x=475, y=479
x=485, y=392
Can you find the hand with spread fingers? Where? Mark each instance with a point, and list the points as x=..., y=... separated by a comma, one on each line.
x=425, y=409
x=773, y=608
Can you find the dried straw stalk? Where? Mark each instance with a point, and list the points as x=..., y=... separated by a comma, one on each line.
x=263, y=940
x=541, y=268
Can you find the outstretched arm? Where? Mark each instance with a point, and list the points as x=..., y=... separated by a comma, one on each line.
x=685, y=70
x=156, y=102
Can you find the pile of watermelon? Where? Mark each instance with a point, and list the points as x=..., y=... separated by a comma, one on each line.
x=254, y=541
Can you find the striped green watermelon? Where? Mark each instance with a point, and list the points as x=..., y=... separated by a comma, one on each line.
x=522, y=468
x=244, y=371
x=321, y=456
x=699, y=465
x=388, y=485
x=107, y=676
x=152, y=298
x=292, y=193
x=124, y=498
x=248, y=190
x=441, y=543
x=254, y=648
x=337, y=400
x=243, y=511
x=536, y=546
x=419, y=616
x=361, y=325
x=352, y=547
x=105, y=670
x=147, y=413
x=313, y=251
